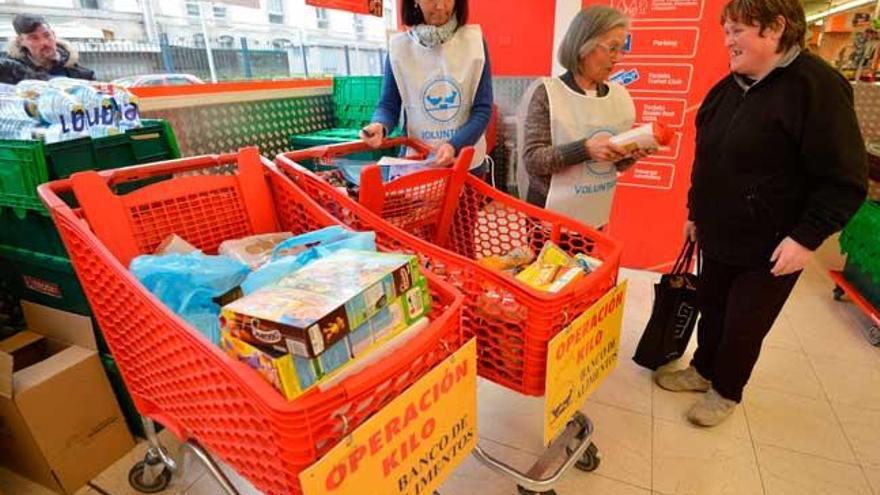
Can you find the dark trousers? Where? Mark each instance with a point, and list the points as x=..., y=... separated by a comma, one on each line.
x=738, y=306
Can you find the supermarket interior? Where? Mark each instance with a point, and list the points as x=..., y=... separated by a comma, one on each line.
x=440, y=247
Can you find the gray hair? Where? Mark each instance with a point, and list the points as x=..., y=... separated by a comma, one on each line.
x=584, y=31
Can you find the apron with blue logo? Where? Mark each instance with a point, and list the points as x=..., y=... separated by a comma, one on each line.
x=585, y=191
x=438, y=85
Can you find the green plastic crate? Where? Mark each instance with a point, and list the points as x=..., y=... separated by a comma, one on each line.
x=43, y=279
x=867, y=285
x=26, y=164
x=859, y=239
x=337, y=136
x=357, y=89
x=355, y=99
x=30, y=229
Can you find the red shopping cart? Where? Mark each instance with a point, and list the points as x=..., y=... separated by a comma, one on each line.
x=175, y=375
x=513, y=323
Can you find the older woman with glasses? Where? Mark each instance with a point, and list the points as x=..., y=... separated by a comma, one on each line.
x=572, y=165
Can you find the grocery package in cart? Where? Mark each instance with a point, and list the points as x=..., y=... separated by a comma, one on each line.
x=175, y=375
x=454, y=220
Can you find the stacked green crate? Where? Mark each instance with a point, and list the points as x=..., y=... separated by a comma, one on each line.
x=32, y=256
x=34, y=264
x=354, y=100
x=859, y=241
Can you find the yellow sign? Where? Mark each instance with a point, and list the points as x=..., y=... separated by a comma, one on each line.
x=411, y=445
x=580, y=357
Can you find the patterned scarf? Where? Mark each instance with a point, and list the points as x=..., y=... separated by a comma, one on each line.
x=430, y=36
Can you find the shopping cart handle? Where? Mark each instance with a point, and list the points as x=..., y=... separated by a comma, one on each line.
x=333, y=150
x=159, y=169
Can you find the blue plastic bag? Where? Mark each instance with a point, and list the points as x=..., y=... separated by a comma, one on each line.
x=188, y=284
x=318, y=244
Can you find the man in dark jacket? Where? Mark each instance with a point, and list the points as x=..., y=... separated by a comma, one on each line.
x=780, y=166
x=35, y=53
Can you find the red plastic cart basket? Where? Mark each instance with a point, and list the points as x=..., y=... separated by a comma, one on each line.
x=175, y=375
x=513, y=323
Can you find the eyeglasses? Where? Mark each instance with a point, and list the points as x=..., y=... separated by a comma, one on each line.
x=612, y=50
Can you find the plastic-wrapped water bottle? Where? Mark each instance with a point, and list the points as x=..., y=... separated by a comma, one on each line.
x=97, y=106
x=56, y=105
x=31, y=88
x=128, y=107
x=15, y=121
x=88, y=95
x=63, y=114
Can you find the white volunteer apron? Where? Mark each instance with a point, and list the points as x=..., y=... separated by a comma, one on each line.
x=585, y=191
x=438, y=85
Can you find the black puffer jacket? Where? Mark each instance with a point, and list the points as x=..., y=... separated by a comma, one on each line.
x=783, y=158
x=17, y=65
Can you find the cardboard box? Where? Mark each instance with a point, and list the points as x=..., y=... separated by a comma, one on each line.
x=60, y=424
x=309, y=311
x=277, y=367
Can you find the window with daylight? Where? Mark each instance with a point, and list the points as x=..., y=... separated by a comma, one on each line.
x=219, y=12
x=276, y=11
x=89, y=4
x=323, y=21
x=192, y=9
x=282, y=43
x=275, y=6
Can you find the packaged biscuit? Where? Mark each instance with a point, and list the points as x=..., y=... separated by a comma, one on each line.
x=253, y=251
x=320, y=304
x=277, y=367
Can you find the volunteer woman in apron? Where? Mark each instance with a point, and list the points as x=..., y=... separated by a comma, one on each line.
x=438, y=74
x=571, y=167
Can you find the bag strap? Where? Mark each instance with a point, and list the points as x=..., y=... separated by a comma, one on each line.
x=682, y=263
x=699, y=261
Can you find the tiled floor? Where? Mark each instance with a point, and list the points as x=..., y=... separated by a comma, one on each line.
x=809, y=424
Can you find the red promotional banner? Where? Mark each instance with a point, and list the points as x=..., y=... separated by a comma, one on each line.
x=371, y=7
x=674, y=55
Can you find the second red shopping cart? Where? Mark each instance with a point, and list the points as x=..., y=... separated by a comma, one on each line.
x=452, y=219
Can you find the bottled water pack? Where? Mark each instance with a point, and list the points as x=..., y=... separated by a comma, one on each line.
x=62, y=109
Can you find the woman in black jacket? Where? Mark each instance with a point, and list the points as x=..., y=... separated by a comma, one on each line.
x=780, y=165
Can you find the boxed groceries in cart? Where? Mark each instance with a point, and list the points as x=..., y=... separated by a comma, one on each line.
x=318, y=319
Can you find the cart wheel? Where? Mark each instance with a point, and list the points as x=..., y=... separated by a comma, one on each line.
x=524, y=491
x=874, y=335
x=591, y=459
x=136, y=478
x=838, y=293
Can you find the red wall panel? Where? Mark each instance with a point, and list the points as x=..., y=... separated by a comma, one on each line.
x=519, y=34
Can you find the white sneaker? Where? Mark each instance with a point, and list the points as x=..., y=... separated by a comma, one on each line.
x=711, y=409
x=686, y=380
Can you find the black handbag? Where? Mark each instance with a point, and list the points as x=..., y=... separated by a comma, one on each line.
x=674, y=314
